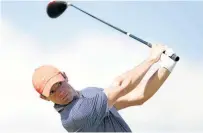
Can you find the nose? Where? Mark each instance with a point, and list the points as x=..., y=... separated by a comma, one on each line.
x=62, y=93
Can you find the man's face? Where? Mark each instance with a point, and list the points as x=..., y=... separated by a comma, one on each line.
x=61, y=93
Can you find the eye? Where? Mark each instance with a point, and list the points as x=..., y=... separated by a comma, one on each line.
x=52, y=92
x=58, y=84
x=55, y=87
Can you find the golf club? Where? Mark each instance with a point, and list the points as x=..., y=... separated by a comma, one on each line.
x=56, y=8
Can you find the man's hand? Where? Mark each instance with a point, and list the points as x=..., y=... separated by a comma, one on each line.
x=167, y=62
x=156, y=52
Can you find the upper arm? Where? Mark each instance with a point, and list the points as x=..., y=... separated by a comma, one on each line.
x=117, y=89
x=129, y=100
x=144, y=91
x=135, y=97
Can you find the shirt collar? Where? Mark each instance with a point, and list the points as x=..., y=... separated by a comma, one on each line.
x=60, y=108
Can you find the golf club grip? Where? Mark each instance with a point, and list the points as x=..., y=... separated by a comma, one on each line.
x=173, y=57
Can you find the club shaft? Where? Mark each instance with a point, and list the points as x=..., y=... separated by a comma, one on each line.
x=174, y=56
x=124, y=32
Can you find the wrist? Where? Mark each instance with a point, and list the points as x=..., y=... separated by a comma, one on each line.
x=151, y=61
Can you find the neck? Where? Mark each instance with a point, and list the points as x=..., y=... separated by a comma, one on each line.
x=76, y=93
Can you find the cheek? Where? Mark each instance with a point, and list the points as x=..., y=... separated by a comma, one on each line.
x=62, y=91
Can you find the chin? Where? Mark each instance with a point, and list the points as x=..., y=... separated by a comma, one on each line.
x=67, y=101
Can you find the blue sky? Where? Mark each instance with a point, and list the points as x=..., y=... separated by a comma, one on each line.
x=93, y=54
x=177, y=24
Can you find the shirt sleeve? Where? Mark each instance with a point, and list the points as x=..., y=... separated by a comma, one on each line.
x=91, y=110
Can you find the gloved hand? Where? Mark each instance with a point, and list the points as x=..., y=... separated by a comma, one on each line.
x=166, y=61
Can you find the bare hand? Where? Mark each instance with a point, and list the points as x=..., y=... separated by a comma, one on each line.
x=156, y=51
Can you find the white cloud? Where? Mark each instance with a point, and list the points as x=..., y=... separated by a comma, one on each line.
x=177, y=106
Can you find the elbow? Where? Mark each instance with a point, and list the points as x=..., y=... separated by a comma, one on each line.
x=144, y=99
x=138, y=100
x=140, y=103
x=141, y=100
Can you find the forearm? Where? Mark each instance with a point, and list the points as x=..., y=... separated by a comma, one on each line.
x=147, y=88
x=135, y=75
x=154, y=84
x=127, y=81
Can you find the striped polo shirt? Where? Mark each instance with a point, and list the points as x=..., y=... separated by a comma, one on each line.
x=90, y=113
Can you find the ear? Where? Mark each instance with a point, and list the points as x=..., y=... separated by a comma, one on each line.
x=44, y=98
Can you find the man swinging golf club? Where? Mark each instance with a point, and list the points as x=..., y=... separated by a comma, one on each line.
x=95, y=109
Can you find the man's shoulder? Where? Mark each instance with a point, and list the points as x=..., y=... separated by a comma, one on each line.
x=92, y=88
x=91, y=91
x=79, y=110
x=85, y=93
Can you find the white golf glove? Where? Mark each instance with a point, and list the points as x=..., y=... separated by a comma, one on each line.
x=166, y=61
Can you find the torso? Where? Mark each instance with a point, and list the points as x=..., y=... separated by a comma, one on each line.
x=111, y=121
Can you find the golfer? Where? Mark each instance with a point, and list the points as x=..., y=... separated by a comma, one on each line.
x=95, y=109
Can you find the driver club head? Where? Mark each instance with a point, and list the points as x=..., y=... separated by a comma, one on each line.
x=56, y=8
